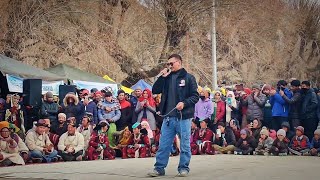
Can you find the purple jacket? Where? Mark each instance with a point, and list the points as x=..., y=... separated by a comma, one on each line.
x=203, y=109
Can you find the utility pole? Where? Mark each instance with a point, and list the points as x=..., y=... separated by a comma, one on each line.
x=214, y=48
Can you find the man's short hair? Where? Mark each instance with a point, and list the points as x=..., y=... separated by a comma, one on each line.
x=307, y=83
x=177, y=56
x=295, y=83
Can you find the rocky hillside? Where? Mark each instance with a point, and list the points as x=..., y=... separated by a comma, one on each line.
x=258, y=40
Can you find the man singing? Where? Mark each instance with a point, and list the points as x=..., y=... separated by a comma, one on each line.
x=179, y=96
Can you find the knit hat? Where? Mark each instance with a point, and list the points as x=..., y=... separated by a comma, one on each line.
x=108, y=94
x=285, y=124
x=317, y=132
x=300, y=128
x=264, y=131
x=49, y=95
x=243, y=131
x=93, y=90
x=4, y=124
x=281, y=132
x=2, y=101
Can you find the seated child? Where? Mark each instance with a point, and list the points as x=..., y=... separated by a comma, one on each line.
x=300, y=143
x=280, y=145
x=265, y=143
x=315, y=144
x=246, y=144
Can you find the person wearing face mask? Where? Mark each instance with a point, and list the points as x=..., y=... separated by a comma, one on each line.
x=309, y=109
x=203, y=108
x=50, y=109
x=294, y=102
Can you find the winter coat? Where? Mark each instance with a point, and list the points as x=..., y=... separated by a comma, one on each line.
x=186, y=88
x=113, y=116
x=92, y=109
x=315, y=144
x=50, y=109
x=280, y=108
x=73, y=109
x=251, y=143
x=265, y=144
x=309, y=105
x=150, y=115
x=281, y=145
x=126, y=115
x=295, y=104
x=228, y=136
x=219, y=111
x=255, y=106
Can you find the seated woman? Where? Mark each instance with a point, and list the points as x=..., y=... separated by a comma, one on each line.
x=123, y=140
x=99, y=143
x=9, y=149
x=205, y=138
x=140, y=144
x=246, y=144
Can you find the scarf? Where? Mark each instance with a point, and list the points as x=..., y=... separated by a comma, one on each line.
x=151, y=101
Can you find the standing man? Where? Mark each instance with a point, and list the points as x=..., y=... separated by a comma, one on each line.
x=179, y=96
x=309, y=109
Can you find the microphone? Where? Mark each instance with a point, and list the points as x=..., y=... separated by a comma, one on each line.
x=162, y=73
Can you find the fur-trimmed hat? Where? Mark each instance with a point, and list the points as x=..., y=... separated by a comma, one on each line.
x=70, y=95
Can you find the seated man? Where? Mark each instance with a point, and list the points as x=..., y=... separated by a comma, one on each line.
x=54, y=138
x=71, y=144
x=61, y=126
x=39, y=144
x=99, y=143
x=9, y=149
x=225, y=139
x=86, y=130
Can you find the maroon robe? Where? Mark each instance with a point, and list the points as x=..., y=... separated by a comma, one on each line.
x=144, y=149
x=204, y=141
x=99, y=139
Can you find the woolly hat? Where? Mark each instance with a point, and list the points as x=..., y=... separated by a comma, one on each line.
x=317, y=132
x=264, y=131
x=300, y=128
x=2, y=101
x=281, y=132
x=285, y=124
x=266, y=87
x=4, y=124
x=49, y=95
x=243, y=131
x=138, y=87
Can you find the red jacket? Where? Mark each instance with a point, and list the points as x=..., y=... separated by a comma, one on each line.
x=220, y=111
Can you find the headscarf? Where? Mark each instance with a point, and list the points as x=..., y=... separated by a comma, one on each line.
x=151, y=101
x=150, y=133
x=233, y=103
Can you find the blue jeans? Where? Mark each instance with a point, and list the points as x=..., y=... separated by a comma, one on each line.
x=45, y=158
x=170, y=127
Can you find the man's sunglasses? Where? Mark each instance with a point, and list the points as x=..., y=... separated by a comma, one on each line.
x=171, y=63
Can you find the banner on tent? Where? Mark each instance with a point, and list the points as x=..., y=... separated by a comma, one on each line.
x=15, y=84
x=99, y=86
